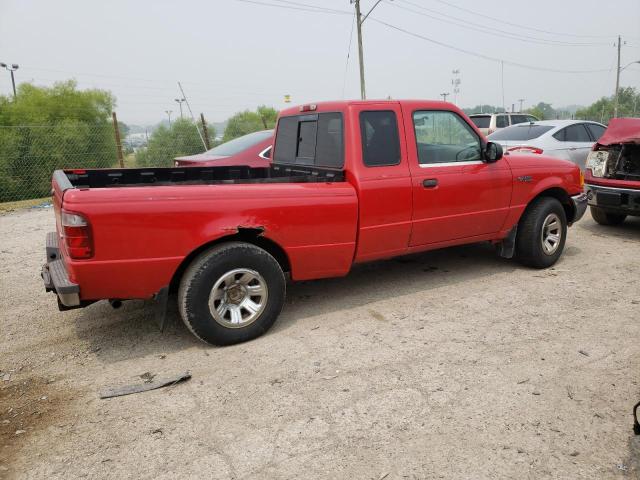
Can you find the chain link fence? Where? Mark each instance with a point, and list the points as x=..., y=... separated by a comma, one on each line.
x=30, y=153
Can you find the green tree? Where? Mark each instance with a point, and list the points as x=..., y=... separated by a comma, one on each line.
x=166, y=143
x=543, y=111
x=602, y=110
x=47, y=128
x=246, y=122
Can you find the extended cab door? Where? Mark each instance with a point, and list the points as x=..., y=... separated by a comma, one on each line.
x=455, y=194
x=378, y=157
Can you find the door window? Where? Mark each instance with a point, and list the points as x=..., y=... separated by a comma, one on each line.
x=515, y=119
x=444, y=137
x=596, y=131
x=573, y=133
x=380, y=140
x=502, y=121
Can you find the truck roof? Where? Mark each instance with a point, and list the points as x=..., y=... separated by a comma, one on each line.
x=339, y=105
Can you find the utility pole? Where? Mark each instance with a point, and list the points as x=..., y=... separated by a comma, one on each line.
x=363, y=93
x=444, y=96
x=168, y=112
x=615, y=100
x=359, y=21
x=205, y=131
x=521, y=100
x=180, y=100
x=118, y=142
x=12, y=68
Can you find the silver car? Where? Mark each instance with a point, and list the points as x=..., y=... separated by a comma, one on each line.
x=567, y=139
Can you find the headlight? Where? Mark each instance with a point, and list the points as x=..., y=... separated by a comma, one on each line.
x=597, y=162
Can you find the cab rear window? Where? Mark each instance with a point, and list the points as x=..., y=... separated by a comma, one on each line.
x=310, y=139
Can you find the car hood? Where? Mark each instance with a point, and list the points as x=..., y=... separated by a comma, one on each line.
x=621, y=130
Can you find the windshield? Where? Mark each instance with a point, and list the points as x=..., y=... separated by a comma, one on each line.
x=481, y=121
x=520, y=132
x=240, y=144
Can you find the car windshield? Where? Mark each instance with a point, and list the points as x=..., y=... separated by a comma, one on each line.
x=520, y=132
x=240, y=144
x=481, y=121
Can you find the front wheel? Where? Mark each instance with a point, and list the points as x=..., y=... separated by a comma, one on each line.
x=542, y=232
x=231, y=293
x=607, y=218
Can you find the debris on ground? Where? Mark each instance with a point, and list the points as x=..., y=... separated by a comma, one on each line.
x=144, y=387
x=582, y=352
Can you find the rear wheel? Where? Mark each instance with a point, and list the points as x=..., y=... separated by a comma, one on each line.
x=606, y=218
x=231, y=293
x=542, y=232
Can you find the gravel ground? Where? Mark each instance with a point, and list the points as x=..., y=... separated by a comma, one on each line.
x=450, y=364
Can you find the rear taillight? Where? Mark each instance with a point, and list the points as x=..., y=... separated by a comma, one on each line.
x=76, y=234
x=524, y=149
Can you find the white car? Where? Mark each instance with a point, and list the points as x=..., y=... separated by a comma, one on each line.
x=567, y=139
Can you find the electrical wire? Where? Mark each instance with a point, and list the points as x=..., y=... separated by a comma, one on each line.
x=481, y=55
x=302, y=7
x=505, y=22
x=480, y=28
x=346, y=67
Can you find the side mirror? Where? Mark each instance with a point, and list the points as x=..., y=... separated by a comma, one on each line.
x=492, y=152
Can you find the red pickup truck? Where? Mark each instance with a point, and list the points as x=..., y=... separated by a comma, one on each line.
x=350, y=182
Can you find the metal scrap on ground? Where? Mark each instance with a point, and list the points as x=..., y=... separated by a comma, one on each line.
x=144, y=387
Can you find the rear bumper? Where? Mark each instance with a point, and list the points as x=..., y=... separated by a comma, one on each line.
x=613, y=199
x=579, y=205
x=55, y=277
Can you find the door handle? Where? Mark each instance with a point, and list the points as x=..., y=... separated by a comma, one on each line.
x=430, y=182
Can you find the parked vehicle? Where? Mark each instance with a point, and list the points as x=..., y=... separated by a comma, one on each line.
x=567, y=139
x=253, y=150
x=350, y=182
x=488, y=123
x=612, y=176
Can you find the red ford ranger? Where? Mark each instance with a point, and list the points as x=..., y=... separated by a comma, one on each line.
x=612, y=173
x=350, y=182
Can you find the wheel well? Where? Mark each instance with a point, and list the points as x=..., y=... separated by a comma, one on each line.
x=563, y=197
x=248, y=235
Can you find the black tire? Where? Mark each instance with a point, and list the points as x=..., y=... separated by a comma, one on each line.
x=529, y=238
x=606, y=218
x=211, y=266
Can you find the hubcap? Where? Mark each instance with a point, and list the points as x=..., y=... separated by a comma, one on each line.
x=551, y=234
x=238, y=298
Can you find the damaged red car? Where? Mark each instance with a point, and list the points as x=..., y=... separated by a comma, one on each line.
x=612, y=174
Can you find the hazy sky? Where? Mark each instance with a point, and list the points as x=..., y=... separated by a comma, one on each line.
x=232, y=54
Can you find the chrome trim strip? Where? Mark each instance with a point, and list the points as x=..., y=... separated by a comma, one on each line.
x=595, y=187
x=449, y=164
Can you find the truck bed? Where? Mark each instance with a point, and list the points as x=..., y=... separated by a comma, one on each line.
x=175, y=176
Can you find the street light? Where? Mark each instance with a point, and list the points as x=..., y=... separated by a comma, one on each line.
x=168, y=112
x=180, y=100
x=12, y=68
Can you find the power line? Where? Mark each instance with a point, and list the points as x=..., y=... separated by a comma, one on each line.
x=299, y=6
x=509, y=22
x=481, y=55
x=480, y=28
x=346, y=67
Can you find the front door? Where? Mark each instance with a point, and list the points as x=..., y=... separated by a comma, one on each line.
x=455, y=194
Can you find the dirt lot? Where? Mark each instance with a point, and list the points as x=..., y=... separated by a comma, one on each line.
x=450, y=364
